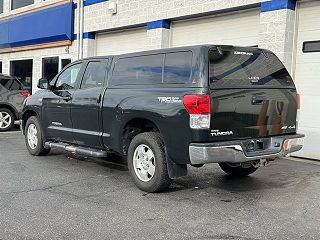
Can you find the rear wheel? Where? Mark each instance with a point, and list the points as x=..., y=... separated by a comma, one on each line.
x=147, y=162
x=237, y=170
x=6, y=119
x=34, y=137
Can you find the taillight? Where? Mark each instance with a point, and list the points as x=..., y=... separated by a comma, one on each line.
x=298, y=101
x=25, y=93
x=298, y=110
x=198, y=106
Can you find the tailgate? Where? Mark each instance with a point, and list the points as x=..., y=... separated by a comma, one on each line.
x=252, y=94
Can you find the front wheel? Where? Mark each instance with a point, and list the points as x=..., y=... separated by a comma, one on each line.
x=237, y=170
x=34, y=138
x=147, y=162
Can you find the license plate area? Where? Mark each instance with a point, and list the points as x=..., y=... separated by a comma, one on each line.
x=257, y=145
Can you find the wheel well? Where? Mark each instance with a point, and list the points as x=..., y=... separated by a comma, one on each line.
x=26, y=116
x=10, y=108
x=133, y=128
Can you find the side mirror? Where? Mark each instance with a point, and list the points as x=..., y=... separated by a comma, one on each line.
x=43, y=83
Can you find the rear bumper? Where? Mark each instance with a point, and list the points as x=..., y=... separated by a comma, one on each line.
x=235, y=151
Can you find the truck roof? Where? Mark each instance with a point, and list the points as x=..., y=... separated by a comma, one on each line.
x=165, y=50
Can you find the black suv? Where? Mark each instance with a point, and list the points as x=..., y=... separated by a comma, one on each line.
x=167, y=108
x=12, y=96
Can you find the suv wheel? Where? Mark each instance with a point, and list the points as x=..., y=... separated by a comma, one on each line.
x=237, y=170
x=34, y=137
x=147, y=162
x=6, y=119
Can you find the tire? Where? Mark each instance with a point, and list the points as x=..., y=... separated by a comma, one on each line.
x=7, y=119
x=237, y=171
x=146, y=155
x=35, y=144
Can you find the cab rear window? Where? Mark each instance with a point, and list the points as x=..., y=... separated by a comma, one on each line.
x=156, y=69
x=240, y=68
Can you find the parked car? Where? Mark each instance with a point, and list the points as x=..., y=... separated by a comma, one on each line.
x=12, y=96
x=165, y=109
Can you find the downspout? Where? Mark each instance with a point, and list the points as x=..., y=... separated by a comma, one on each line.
x=78, y=30
x=81, y=29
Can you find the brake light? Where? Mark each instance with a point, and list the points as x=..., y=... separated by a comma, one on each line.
x=298, y=101
x=25, y=93
x=198, y=106
x=298, y=110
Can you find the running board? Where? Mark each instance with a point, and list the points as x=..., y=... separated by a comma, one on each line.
x=77, y=150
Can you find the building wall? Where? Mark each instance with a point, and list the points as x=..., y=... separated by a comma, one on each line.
x=33, y=52
x=37, y=3
x=276, y=33
x=132, y=12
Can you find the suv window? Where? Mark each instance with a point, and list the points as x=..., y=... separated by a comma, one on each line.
x=138, y=70
x=177, y=67
x=94, y=75
x=68, y=77
x=10, y=84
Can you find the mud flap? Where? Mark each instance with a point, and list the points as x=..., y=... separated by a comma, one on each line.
x=176, y=170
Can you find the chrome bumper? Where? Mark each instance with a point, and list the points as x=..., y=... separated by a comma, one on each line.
x=235, y=151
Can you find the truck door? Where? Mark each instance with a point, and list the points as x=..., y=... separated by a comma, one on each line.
x=56, y=104
x=85, y=105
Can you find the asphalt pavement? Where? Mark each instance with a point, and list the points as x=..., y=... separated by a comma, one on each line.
x=62, y=196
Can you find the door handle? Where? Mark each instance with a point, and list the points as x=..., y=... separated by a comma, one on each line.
x=67, y=99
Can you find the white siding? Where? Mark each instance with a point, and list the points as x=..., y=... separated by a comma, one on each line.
x=236, y=29
x=307, y=78
x=121, y=42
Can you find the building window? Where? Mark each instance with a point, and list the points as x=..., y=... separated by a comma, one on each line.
x=65, y=62
x=15, y=4
x=22, y=69
x=311, y=46
x=1, y=6
x=50, y=67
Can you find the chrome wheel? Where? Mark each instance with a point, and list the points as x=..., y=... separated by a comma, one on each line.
x=144, y=163
x=32, y=136
x=5, y=120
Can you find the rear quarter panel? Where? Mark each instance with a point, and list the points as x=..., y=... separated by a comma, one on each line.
x=169, y=116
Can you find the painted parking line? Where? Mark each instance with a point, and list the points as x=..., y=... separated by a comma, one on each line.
x=303, y=160
x=10, y=132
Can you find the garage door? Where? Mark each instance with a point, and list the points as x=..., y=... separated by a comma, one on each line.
x=235, y=29
x=121, y=42
x=307, y=76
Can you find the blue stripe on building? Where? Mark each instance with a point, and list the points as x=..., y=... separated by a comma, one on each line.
x=43, y=26
x=274, y=5
x=89, y=2
x=86, y=35
x=158, y=24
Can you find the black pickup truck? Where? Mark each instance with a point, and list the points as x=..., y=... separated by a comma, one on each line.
x=165, y=109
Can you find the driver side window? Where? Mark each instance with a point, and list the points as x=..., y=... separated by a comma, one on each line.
x=68, y=77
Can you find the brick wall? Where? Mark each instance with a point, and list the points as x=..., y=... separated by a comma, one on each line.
x=131, y=12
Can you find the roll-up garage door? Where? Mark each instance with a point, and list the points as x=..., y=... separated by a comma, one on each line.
x=307, y=76
x=121, y=42
x=240, y=29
